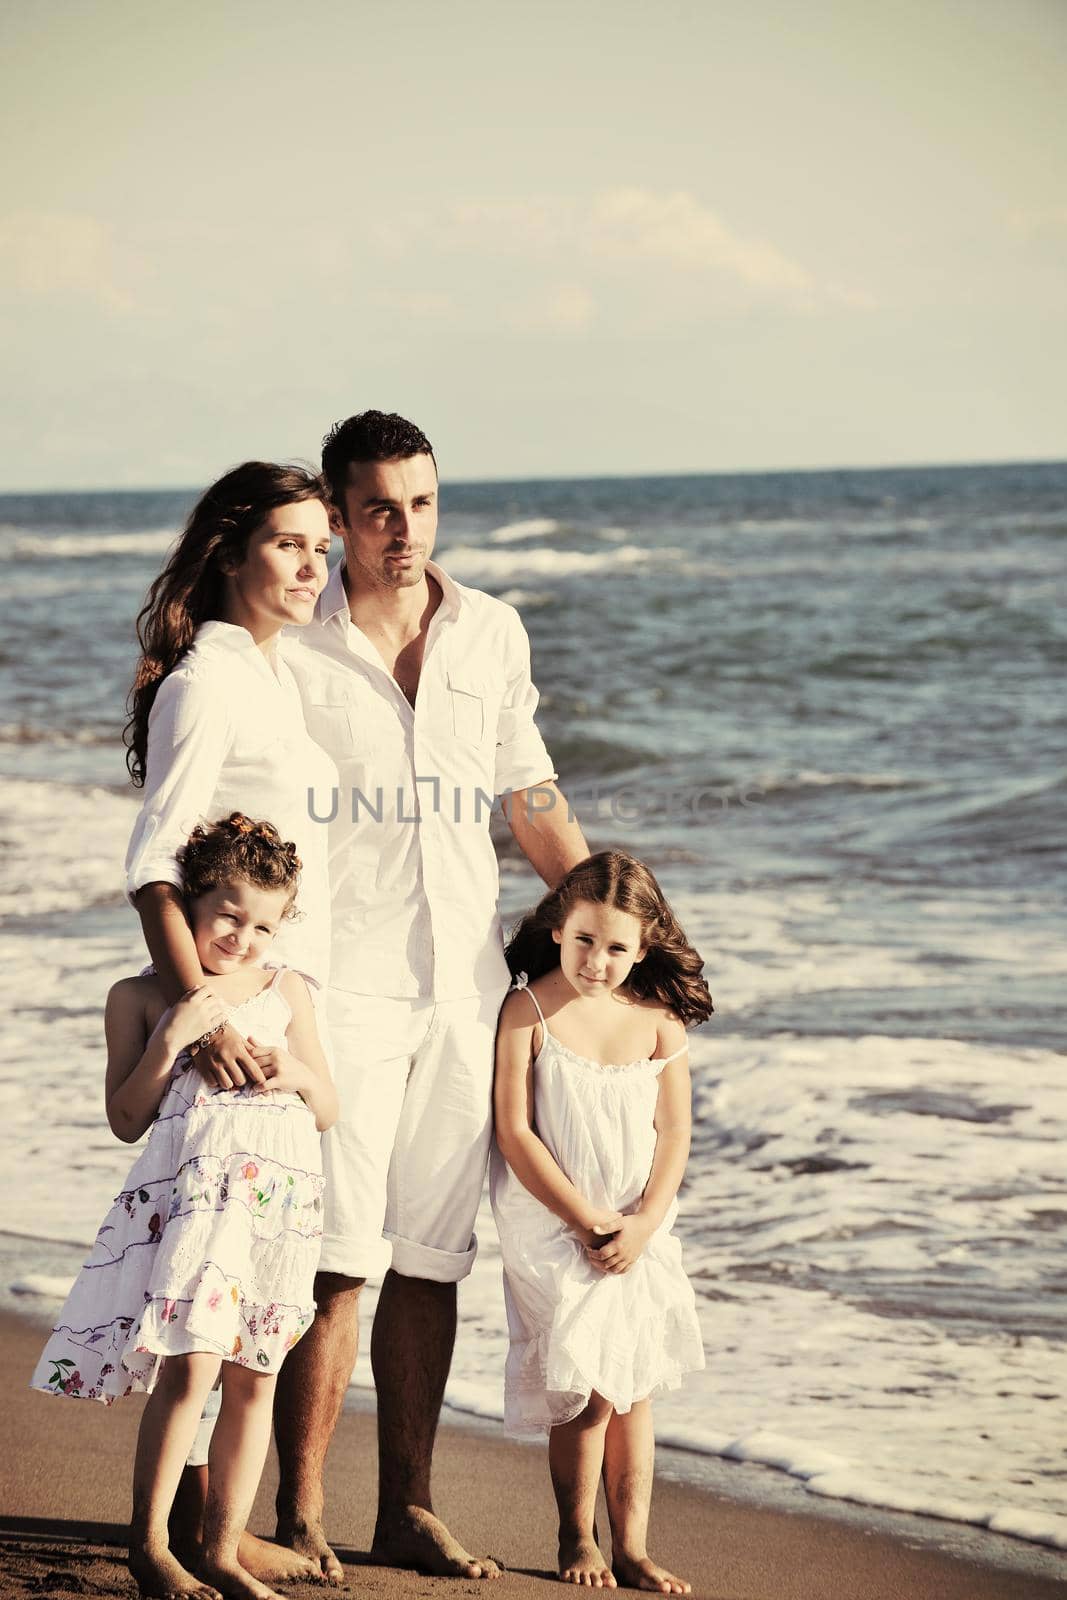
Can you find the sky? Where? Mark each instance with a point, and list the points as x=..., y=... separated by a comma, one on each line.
x=567, y=239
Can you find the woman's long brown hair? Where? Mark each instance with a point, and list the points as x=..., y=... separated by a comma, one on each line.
x=671, y=971
x=190, y=588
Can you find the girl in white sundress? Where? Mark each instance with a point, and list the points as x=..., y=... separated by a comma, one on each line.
x=208, y=1253
x=592, y=1104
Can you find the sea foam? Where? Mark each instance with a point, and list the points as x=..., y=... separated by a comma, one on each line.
x=469, y=562
x=531, y=528
x=81, y=546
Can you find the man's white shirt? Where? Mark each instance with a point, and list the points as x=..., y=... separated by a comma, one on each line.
x=413, y=870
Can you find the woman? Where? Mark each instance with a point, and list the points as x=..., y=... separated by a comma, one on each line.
x=216, y=726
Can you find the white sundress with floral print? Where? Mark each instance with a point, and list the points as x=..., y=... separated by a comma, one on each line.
x=212, y=1244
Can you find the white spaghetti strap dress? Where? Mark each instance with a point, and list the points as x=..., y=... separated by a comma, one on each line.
x=573, y=1329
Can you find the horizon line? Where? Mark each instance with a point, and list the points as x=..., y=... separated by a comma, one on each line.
x=598, y=477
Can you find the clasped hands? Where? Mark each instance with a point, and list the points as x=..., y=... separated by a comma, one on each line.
x=613, y=1241
x=223, y=1056
x=232, y=1061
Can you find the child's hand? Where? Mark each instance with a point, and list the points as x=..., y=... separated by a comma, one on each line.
x=281, y=1070
x=618, y=1253
x=603, y=1224
x=227, y=1061
x=195, y=1014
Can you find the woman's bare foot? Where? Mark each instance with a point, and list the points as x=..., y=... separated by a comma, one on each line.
x=308, y=1538
x=275, y=1563
x=234, y=1582
x=416, y=1538
x=581, y=1561
x=639, y=1572
x=160, y=1576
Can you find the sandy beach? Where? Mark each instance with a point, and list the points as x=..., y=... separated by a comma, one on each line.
x=66, y=1499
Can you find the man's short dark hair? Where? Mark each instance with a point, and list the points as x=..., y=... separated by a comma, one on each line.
x=370, y=436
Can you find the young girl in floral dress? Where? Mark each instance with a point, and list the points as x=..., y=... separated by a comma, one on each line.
x=592, y=1106
x=208, y=1253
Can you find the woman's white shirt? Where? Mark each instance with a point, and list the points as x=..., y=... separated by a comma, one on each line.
x=226, y=733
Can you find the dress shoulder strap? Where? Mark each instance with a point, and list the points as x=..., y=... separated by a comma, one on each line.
x=681, y=1050
x=523, y=982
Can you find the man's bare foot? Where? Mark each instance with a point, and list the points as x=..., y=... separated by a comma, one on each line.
x=416, y=1538
x=234, y=1582
x=157, y=1574
x=580, y=1561
x=308, y=1538
x=275, y=1563
x=639, y=1572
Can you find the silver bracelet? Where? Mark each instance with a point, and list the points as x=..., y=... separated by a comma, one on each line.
x=205, y=1038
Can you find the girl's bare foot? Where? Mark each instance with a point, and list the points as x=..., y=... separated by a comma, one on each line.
x=580, y=1561
x=275, y=1563
x=234, y=1582
x=308, y=1538
x=639, y=1572
x=160, y=1576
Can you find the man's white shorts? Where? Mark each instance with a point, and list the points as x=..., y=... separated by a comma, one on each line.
x=405, y=1161
x=206, y=1427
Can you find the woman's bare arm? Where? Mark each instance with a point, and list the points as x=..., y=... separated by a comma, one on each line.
x=226, y=1059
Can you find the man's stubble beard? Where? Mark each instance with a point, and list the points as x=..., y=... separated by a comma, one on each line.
x=405, y=578
x=382, y=575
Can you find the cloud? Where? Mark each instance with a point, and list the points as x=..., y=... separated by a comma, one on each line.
x=56, y=254
x=621, y=261
x=678, y=230
x=1044, y=222
x=569, y=308
x=621, y=229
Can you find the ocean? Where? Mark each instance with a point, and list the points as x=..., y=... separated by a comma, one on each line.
x=828, y=709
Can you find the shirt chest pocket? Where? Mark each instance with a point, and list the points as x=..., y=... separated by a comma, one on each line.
x=331, y=724
x=354, y=724
x=473, y=701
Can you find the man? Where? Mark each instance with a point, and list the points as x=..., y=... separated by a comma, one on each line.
x=420, y=690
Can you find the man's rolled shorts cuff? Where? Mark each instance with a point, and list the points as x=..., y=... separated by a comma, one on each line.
x=351, y=1258
x=201, y=1447
x=436, y=1266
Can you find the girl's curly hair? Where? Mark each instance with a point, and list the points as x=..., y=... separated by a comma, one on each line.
x=190, y=589
x=671, y=971
x=237, y=849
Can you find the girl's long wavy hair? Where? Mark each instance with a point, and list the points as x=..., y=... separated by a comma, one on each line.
x=190, y=589
x=671, y=972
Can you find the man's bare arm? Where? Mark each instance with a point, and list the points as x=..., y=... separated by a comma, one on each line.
x=547, y=835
